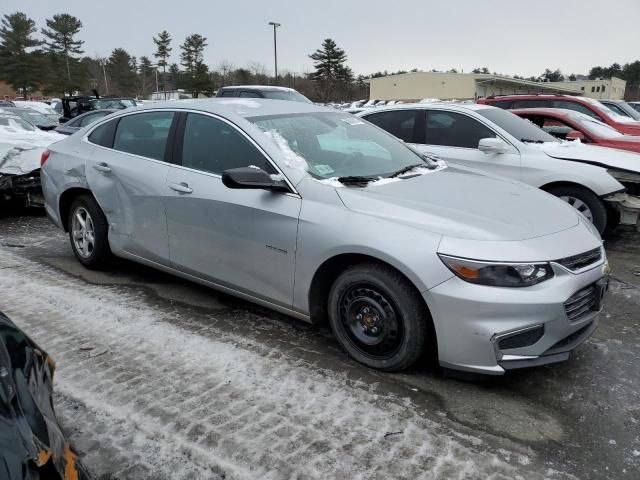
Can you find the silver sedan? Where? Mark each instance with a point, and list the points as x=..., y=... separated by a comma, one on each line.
x=323, y=216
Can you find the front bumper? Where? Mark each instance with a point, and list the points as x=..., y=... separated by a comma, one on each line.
x=473, y=321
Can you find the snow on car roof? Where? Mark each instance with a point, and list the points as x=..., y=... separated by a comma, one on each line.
x=259, y=87
x=242, y=107
x=433, y=106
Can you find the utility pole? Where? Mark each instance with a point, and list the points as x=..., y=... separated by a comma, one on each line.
x=275, y=47
x=104, y=72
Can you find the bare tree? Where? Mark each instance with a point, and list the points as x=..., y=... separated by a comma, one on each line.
x=226, y=67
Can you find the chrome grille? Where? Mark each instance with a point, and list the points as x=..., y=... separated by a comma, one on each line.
x=578, y=262
x=581, y=303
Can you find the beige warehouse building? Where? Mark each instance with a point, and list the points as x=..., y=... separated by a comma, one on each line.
x=416, y=86
x=602, y=89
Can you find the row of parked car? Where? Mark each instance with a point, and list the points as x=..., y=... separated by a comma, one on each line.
x=433, y=233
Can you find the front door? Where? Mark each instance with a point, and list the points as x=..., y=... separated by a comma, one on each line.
x=242, y=239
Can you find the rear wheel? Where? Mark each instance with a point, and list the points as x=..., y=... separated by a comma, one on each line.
x=378, y=317
x=586, y=202
x=88, y=230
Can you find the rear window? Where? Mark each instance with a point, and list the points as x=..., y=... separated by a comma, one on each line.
x=501, y=104
x=103, y=135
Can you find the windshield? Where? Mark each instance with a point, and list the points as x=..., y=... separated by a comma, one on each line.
x=38, y=118
x=625, y=109
x=598, y=129
x=523, y=130
x=285, y=95
x=15, y=123
x=112, y=103
x=339, y=145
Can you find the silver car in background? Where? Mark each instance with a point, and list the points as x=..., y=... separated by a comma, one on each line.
x=321, y=215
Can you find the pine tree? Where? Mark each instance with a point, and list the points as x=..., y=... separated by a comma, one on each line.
x=331, y=71
x=163, y=50
x=62, y=45
x=18, y=61
x=122, y=69
x=146, y=76
x=192, y=59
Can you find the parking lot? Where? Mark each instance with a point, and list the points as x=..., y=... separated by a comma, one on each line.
x=161, y=378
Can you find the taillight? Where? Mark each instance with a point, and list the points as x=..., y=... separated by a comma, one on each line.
x=44, y=157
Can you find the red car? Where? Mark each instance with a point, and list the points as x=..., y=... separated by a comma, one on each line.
x=585, y=105
x=569, y=125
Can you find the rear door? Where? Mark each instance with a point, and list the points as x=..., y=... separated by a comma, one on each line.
x=127, y=174
x=241, y=239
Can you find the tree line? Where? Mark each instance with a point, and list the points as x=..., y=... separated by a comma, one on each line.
x=51, y=61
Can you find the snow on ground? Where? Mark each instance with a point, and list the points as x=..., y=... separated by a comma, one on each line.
x=172, y=399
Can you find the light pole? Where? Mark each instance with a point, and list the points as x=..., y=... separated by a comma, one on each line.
x=275, y=47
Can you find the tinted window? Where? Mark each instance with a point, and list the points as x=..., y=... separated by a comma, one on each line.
x=89, y=119
x=247, y=94
x=578, y=107
x=501, y=104
x=144, y=134
x=103, y=135
x=521, y=129
x=401, y=123
x=212, y=145
x=227, y=93
x=533, y=103
x=615, y=108
x=454, y=130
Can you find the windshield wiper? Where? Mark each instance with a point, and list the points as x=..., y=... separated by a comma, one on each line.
x=356, y=180
x=406, y=169
x=528, y=140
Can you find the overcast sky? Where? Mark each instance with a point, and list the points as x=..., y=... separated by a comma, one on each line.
x=507, y=36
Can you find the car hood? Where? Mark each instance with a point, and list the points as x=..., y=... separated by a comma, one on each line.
x=600, y=156
x=20, y=151
x=464, y=203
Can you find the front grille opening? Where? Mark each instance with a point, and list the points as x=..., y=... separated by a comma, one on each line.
x=581, y=303
x=524, y=339
x=571, y=338
x=582, y=260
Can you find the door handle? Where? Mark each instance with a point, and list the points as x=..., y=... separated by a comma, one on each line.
x=181, y=187
x=102, y=167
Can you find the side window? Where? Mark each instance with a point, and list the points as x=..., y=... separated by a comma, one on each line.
x=212, y=145
x=103, y=135
x=227, y=93
x=455, y=130
x=615, y=108
x=400, y=123
x=144, y=134
x=532, y=103
x=557, y=128
x=578, y=107
x=248, y=94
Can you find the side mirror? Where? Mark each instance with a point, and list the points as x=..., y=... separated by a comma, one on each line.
x=493, y=145
x=252, y=178
x=575, y=135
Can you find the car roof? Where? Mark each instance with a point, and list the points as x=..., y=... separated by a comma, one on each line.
x=241, y=107
x=257, y=87
x=559, y=112
x=431, y=106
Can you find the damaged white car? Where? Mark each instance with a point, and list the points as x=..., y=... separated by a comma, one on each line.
x=602, y=183
x=21, y=148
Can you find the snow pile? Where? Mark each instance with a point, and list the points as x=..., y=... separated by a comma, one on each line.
x=20, y=150
x=334, y=182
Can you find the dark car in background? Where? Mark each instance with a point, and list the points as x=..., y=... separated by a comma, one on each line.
x=263, y=91
x=7, y=103
x=621, y=108
x=32, y=444
x=75, y=106
x=33, y=117
x=83, y=120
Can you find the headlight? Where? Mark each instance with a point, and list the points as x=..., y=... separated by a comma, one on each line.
x=498, y=274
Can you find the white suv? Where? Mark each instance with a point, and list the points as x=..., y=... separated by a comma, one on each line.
x=499, y=142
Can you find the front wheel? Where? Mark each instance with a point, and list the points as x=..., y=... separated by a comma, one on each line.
x=586, y=202
x=378, y=317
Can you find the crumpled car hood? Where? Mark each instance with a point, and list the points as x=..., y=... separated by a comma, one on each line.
x=600, y=156
x=31, y=441
x=464, y=203
x=20, y=152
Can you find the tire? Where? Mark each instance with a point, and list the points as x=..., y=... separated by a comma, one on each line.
x=578, y=196
x=378, y=317
x=92, y=254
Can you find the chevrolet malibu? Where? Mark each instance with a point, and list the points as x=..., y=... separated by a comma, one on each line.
x=321, y=215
